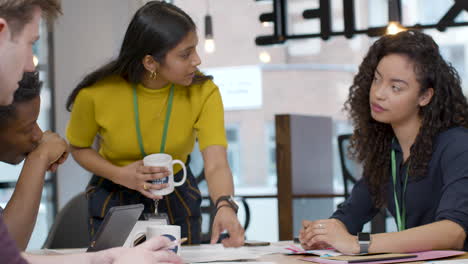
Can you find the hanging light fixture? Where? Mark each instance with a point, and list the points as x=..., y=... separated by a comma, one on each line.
x=209, y=40
x=264, y=57
x=35, y=60
x=394, y=18
x=394, y=28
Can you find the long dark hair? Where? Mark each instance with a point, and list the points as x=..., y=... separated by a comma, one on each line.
x=154, y=30
x=371, y=140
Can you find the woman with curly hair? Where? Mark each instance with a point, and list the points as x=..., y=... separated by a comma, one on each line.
x=410, y=122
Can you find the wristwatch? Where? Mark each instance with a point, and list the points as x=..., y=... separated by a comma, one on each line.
x=231, y=203
x=364, y=240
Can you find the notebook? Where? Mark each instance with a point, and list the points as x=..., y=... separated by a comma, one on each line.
x=425, y=255
x=372, y=257
x=116, y=227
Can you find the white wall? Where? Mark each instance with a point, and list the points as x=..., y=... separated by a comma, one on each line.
x=87, y=35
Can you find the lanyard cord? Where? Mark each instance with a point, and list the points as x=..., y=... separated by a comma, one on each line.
x=400, y=216
x=166, y=122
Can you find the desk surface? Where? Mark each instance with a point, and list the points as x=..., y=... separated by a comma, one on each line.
x=282, y=259
x=274, y=258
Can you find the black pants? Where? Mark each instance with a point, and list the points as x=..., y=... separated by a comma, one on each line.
x=182, y=206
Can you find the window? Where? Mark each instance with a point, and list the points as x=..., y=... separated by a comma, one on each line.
x=455, y=54
x=233, y=152
x=271, y=153
x=233, y=156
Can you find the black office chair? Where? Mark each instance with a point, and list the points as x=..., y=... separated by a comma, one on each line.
x=70, y=228
x=348, y=178
x=209, y=210
x=378, y=223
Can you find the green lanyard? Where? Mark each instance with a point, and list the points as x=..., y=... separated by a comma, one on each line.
x=166, y=122
x=400, y=217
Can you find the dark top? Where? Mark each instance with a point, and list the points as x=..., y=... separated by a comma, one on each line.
x=8, y=251
x=441, y=195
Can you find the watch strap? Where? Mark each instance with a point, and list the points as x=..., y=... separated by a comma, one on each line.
x=364, y=241
x=224, y=205
x=230, y=202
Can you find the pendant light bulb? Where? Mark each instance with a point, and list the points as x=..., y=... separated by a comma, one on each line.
x=209, y=40
x=394, y=28
x=210, y=45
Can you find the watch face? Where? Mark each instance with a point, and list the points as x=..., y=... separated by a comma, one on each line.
x=233, y=202
x=363, y=236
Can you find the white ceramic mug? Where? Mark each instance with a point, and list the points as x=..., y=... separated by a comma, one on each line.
x=140, y=227
x=165, y=160
x=170, y=231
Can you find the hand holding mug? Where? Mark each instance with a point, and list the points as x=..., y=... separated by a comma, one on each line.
x=158, y=161
x=136, y=176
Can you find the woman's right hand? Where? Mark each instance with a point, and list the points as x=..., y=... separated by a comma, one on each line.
x=326, y=233
x=136, y=176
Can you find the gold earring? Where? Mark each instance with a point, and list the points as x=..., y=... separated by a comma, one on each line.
x=153, y=75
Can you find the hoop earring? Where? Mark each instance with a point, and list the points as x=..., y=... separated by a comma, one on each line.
x=153, y=75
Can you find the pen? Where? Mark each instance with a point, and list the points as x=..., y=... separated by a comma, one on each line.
x=175, y=243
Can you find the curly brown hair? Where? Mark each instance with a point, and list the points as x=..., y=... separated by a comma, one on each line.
x=371, y=141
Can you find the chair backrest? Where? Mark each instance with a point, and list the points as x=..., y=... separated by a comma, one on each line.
x=378, y=223
x=348, y=178
x=70, y=228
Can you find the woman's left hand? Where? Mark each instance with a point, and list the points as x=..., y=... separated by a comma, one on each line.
x=332, y=232
x=226, y=219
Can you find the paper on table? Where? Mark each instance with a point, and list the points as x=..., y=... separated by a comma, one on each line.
x=274, y=248
x=211, y=253
x=426, y=255
x=321, y=253
x=325, y=253
x=295, y=250
x=231, y=262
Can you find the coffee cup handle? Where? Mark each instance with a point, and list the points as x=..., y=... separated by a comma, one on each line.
x=179, y=183
x=137, y=236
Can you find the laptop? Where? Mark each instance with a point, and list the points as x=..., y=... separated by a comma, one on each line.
x=116, y=227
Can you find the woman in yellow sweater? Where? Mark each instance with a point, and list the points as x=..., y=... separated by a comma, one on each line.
x=151, y=87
